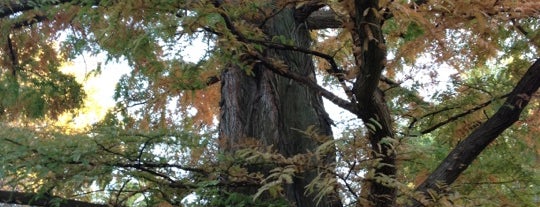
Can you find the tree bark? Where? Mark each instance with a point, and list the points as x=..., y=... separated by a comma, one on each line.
x=271, y=108
x=370, y=55
x=466, y=151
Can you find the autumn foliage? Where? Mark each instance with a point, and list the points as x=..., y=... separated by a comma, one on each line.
x=431, y=103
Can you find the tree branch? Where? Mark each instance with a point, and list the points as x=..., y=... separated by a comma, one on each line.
x=12, y=56
x=303, y=12
x=14, y=6
x=369, y=51
x=27, y=22
x=334, y=69
x=465, y=152
x=287, y=73
x=309, y=83
x=453, y=118
x=324, y=19
x=35, y=199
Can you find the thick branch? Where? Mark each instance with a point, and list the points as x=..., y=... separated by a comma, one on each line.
x=28, y=22
x=13, y=6
x=309, y=83
x=465, y=152
x=302, y=12
x=324, y=19
x=369, y=51
x=274, y=45
x=328, y=19
x=35, y=199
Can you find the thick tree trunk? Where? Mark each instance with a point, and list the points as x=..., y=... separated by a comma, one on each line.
x=272, y=109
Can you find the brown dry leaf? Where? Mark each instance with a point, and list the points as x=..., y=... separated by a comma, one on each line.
x=421, y=176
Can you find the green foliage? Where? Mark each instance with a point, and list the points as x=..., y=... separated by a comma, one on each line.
x=34, y=96
x=413, y=31
x=220, y=197
x=160, y=144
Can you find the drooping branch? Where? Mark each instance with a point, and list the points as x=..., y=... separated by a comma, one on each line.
x=315, y=18
x=459, y=159
x=132, y=163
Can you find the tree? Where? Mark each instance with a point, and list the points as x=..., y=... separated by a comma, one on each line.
x=273, y=110
x=274, y=144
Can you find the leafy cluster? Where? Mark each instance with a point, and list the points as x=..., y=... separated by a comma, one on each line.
x=448, y=67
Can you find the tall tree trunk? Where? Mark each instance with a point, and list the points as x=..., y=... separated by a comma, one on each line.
x=272, y=109
x=370, y=56
x=376, y=192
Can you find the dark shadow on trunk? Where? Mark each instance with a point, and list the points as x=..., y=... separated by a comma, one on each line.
x=272, y=109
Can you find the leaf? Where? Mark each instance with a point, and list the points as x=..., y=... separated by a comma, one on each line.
x=274, y=185
x=413, y=31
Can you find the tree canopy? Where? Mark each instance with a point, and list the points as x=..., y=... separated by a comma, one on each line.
x=443, y=96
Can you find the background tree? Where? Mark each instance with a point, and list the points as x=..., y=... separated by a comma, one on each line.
x=262, y=136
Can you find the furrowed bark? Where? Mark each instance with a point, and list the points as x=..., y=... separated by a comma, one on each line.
x=299, y=106
x=271, y=108
x=468, y=150
x=370, y=56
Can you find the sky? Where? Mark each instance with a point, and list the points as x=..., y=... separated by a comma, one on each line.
x=98, y=87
